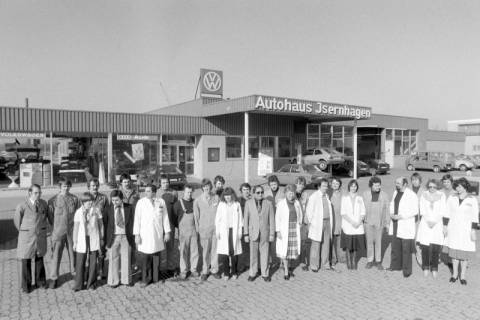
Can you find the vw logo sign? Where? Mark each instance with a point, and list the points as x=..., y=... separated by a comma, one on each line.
x=212, y=81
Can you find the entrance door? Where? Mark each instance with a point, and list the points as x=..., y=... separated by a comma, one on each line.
x=185, y=159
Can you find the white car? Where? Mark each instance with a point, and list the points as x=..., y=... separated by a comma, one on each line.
x=323, y=157
x=463, y=163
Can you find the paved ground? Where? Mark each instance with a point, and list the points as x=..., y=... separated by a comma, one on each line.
x=361, y=294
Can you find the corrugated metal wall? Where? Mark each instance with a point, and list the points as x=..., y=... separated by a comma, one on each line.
x=45, y=120
x=260, y=124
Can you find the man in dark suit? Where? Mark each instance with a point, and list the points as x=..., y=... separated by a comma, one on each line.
x=119, y=239
x=259, y=231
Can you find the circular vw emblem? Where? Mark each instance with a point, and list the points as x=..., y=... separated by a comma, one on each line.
x=212, y=81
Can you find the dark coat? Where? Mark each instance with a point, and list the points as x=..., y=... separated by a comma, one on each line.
x=32, y=229
x=109, y=223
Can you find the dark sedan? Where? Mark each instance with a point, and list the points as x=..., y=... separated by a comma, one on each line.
x=290, y=172
x=347, y=168
x=177, y=178
x=377, y=166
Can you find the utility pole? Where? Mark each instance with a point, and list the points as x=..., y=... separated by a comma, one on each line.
x=26, y=102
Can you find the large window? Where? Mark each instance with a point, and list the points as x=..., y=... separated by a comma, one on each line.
x=253, y=147
x=405, y=141
x=233, y=147
x=134, y=154
x=325, y=136
x=284, y=147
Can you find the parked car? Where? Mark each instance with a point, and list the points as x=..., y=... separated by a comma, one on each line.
x=377, y=166
x=177, y=178
x=347, y=168
x=288, y=173
x=463, y=163
x=436, y=161
x=323, y=157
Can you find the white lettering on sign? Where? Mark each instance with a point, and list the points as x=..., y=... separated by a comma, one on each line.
x=22, y=135
x=329, y=109
x=135, y=137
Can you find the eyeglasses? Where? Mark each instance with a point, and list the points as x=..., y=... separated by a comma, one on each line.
x=259, y=192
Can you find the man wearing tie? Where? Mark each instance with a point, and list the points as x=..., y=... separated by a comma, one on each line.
x=259, y=230
x=119, y=240
x=31, y=221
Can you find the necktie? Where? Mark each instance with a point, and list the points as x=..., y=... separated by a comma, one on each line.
x=36, y=206
x=119, y=218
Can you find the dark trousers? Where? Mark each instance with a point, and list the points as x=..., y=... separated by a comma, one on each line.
x=430, y=255
x=26, y=274
x=402, y=255
x=102, y=267
x=150, y=264
x=82, y=273
x=227, y=269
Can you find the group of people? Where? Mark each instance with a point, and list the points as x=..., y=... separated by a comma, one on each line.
x=267, y=227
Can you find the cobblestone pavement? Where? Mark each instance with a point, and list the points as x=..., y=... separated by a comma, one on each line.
x=361, y=294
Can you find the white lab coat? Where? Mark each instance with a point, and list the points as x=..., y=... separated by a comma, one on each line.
x=221, y=227
x=407, y=210
x=281, y=225
x=354, y=210
x=460, y=223
x=314, y=216
x=93, y=216
x=434, y=235
x=151, y=223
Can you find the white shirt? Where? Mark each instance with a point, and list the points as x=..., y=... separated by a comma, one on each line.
x=119, y=230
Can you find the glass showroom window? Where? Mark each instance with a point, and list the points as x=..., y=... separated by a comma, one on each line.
x=348, y=141
x=313, y=135
x=134, y=154
x=325, y=136
x=284, y=147
x=337, y=138
x=253, y=147
x=397, y=142
x=233, y=147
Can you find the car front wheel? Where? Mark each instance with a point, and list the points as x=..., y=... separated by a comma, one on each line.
x=410, y=167
x=462, y=167
x=322, y=165
x=436, y=169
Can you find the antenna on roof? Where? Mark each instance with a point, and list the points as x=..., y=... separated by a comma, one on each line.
x=164, y=93
x=196, y=90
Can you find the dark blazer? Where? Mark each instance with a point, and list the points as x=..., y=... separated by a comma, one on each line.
x=109, y=224
x=256, y=223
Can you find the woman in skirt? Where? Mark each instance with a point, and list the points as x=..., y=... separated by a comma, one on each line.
x=353, y=234
x=430, y=231
x=288, y=220
x=461, y=221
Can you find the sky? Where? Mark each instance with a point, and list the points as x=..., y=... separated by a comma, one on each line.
x=411, y=58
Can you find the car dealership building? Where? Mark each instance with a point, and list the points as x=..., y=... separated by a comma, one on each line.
x=203, y=137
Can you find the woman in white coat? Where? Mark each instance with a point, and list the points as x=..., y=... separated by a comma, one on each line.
x=461, y=221
x=353, y=233
x=151, y=229
x=430, y=229
x=288, y=220
x=228, y=229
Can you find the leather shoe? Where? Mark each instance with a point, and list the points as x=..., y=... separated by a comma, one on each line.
x=369, y=265
x=217, y=275
x=463, y=281
x=267, y=279
x=305, y=268
x=315, y=270
x=452, y=279
x=250, y=279
x=204, y=277
x=287, y=277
